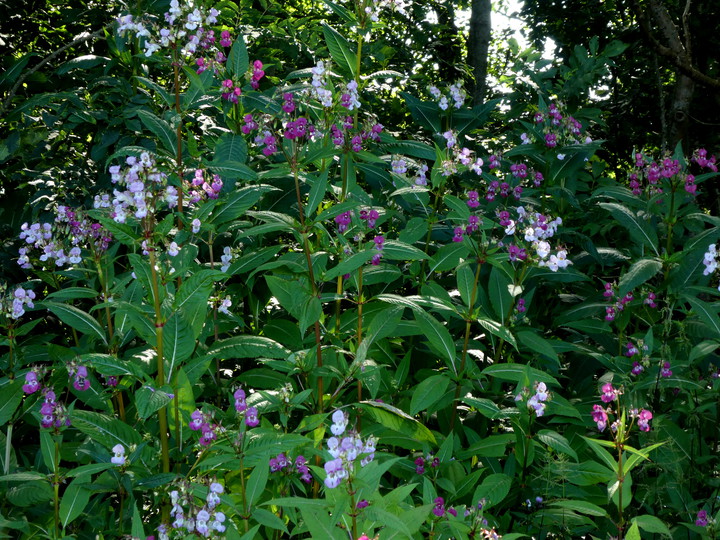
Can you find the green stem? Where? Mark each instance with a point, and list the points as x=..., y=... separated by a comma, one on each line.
x=468, y=325
x=179, y=148
x=56, y=489
x=311, y=276
x=159, y=325
x=8, y=447
x=359, y=341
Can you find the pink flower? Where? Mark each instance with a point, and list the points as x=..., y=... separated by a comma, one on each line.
x=31, y=383
x=600, y=416
x=644, y=418
x=609, y=393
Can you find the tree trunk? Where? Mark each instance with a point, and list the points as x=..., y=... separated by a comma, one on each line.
x=478, y=44
x=680, y=112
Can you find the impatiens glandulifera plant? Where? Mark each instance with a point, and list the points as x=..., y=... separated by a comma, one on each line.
x=275, y=316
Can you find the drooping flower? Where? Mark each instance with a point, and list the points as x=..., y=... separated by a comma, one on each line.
x=118, y=455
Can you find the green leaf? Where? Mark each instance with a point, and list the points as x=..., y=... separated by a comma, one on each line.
x=12, y=395
x=73, y=293
x=237, y=204
x=238, y=61
x=317, y=192
x=192, y=298
x=398, y=420
x=232, y=170
x=150, y=400
x=352, y=263
x=30, y=494
x=498, y=329
x=652, y=524
x=485, y=407
x=637, y=274
x=103, y=429
x=705, y=312
x=230, y=147
x=427, y=114
x=167, y=96
x=415, y=149
x=494, y=489
x=340, y=51
x=160, y=128
x=74, y=500
x=248, y=346
x=47, y=448
x=438, y=337
x=75, y=318
x=268, y=519
x=137, y=530
x=633, y=533
x=603, y=454
x=639, y=229
x=428, y=392
x=519, y=373
x=499, y=296
x=256, y=484
x=399, y=251
x=581, y=507
x=557, y=442
x=178, y=343
x=529, y=340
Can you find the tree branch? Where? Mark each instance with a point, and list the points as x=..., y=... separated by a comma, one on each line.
x=51, y=56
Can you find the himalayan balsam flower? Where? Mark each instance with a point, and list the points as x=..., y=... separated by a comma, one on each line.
x=31, y=383
x=644, y=417
x=701, y=520
x=609, y=394
x=119, y=455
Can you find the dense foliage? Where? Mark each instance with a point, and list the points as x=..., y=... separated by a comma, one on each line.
x=253, y=299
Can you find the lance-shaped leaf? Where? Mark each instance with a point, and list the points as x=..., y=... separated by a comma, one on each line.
x=438, y=337
x=160, y=128
x=345, y=59
x=238, y=61
x=75, y=318
x=640, y=230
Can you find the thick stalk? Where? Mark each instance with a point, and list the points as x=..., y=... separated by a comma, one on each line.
x=468, y=325
x=159, y=325
x=8, y=447
x=621, y=479
x=106, y=296
x=178, y=153
x=56, y=489
x=359, y=341
x=311, y=276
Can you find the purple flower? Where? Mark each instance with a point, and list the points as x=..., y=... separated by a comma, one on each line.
x=439, y=509
x=419, y=465
x=637, y=368
x=342, y=221
x=609, y=393
x=119, y=455
x=335, y=473
x=240, y=404
x=701, y=520
x=644, y=418
x=31, y=383
x=666, y=371
x=600, y=417
x=473, y=197
x=251, y=417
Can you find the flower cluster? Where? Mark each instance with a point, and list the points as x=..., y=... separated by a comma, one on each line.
x=203, y=422
x=610, y=394
x=439, y=509
x=421, y=461
x=455, y=93
x=63, y=240
x=556, y=128
x=282, y=463
x=204, y=521
x=200, y=188
x=710, y=260
x=345, y=451
x=53, y=413
x=143, y=186
x=186, y=30
x=250, y=413
x=618, y=304
x=16, y=303
x=537, y=401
